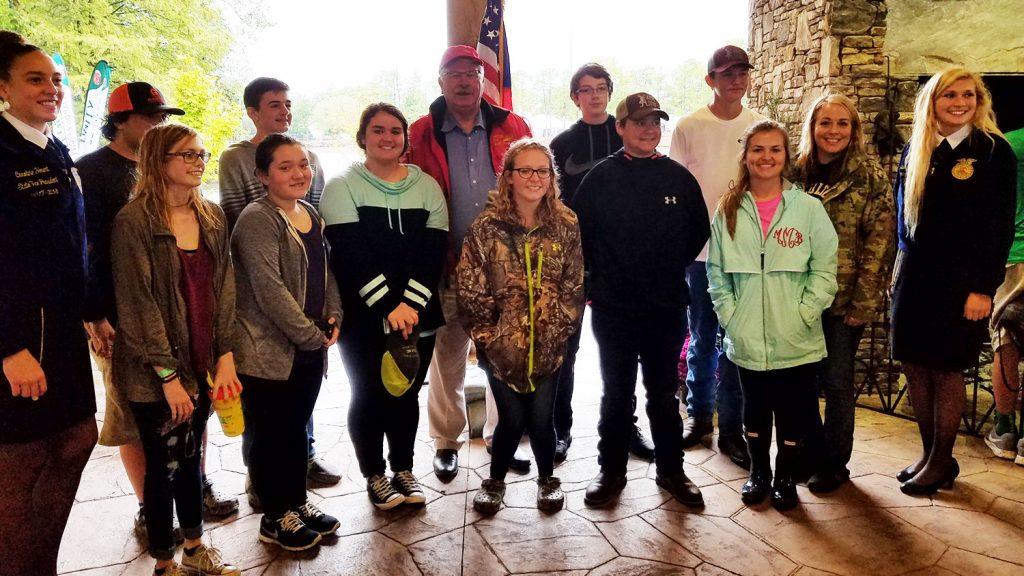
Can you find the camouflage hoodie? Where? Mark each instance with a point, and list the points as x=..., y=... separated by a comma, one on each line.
x=522, y=335
x=861, y=207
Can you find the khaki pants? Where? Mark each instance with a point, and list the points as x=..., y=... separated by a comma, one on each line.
x=446, y=398
x=118, y=422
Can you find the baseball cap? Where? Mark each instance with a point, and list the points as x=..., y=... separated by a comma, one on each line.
x=139, y=98
x=637, y=106
x=726, y=57
x=459, y=51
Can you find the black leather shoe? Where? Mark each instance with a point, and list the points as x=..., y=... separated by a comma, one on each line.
x=784, y=494
x=640, y=446
x=603, y=488
x=912, y=488
x=828, y=480
x=562, y=448
x=756, y=488
x=907, y=473
x=735, y=447
x=517, y=464
x=682, y=488
x=446, y=464
x=695, y=430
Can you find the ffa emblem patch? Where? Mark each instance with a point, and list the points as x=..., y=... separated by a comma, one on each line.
x=964, y=169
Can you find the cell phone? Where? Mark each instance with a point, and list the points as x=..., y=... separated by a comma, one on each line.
x=326, y=327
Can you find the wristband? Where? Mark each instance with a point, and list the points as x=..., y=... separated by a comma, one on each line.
x=165, y=372
x=170, y=377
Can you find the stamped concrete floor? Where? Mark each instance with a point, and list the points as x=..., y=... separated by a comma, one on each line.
x=868, y=527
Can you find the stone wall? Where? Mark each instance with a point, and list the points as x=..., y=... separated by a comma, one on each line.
x=802, y=48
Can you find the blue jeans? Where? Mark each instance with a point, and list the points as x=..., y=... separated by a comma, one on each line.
x=656, y=338
x=705, y=361
x=831, y=442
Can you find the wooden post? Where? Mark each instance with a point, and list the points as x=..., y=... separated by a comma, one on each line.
x=464, y=18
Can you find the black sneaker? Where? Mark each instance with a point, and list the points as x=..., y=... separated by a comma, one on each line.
x=409, y=487
x=382, y=494
x=317, y=521
x=288, y=532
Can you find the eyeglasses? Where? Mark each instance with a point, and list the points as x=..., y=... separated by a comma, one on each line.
x=588, y=90
x=526, y=173
x=190, y=156
x=475, y=75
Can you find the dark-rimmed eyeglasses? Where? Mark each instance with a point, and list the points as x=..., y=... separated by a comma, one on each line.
x=588, y=90
x=190, y=156
x=526, y=173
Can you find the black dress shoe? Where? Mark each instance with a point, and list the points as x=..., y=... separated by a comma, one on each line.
x=735, y=447
x=603, y=488
x=562, y=448
x=446, y=464
x=828, y=480
x=640, y=446
x=756, y=488
x=907, y=473
x=912, y=488
x=682, y=488
x=517, y=464
x=784, y=494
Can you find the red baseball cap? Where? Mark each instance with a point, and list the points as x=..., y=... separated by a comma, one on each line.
x=139, y=98
x=459, y=51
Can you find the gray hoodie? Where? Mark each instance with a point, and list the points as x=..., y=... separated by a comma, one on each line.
x=270, y=271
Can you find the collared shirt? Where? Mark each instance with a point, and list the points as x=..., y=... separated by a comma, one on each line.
x=471, y=173
x=957, y=137
x=34, y=136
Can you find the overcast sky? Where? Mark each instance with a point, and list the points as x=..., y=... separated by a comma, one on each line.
x=319, y=44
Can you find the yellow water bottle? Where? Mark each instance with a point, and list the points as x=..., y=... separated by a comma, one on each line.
x=229, y=411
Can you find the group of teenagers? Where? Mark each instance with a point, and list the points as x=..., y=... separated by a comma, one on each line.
x=462, y=231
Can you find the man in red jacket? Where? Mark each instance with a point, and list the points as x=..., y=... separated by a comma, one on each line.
x=461, y=143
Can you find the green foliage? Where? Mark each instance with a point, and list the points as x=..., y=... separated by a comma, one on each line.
x=208, y=109
x=140, y=39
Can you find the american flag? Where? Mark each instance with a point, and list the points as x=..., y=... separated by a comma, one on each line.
x=493, y=49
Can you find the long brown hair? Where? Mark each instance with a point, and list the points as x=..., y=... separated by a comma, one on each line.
x=502, y=199
x=926, y=131
x=729, y=203
x=151, y=186
x=807, y=155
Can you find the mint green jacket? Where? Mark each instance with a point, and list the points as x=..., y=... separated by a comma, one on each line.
x=769, y=293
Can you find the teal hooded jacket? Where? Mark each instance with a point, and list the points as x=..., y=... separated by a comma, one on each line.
x=769, y=293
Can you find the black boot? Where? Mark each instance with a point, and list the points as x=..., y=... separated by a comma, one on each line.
x=784, y=489
x=756, y=489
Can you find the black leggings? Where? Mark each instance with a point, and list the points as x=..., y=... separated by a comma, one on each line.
x=173, y=472
x=373, y=413
x=277, y=413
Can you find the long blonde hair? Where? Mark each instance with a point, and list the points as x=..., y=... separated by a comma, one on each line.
x=926, y=131
x=807, y=154
x=730, y=202
x=502, y=200
x=151, y=186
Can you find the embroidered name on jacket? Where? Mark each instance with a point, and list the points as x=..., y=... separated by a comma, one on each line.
x=788, y=237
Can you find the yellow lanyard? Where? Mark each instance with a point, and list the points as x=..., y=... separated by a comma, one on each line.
x=531, y=283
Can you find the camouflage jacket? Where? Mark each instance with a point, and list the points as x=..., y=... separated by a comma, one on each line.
x=494, y=293
x=861, y=207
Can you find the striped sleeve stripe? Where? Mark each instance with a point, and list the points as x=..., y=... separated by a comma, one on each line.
x=422, y=290
x=415, y=298
x=371, y=285
x=376, y=295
